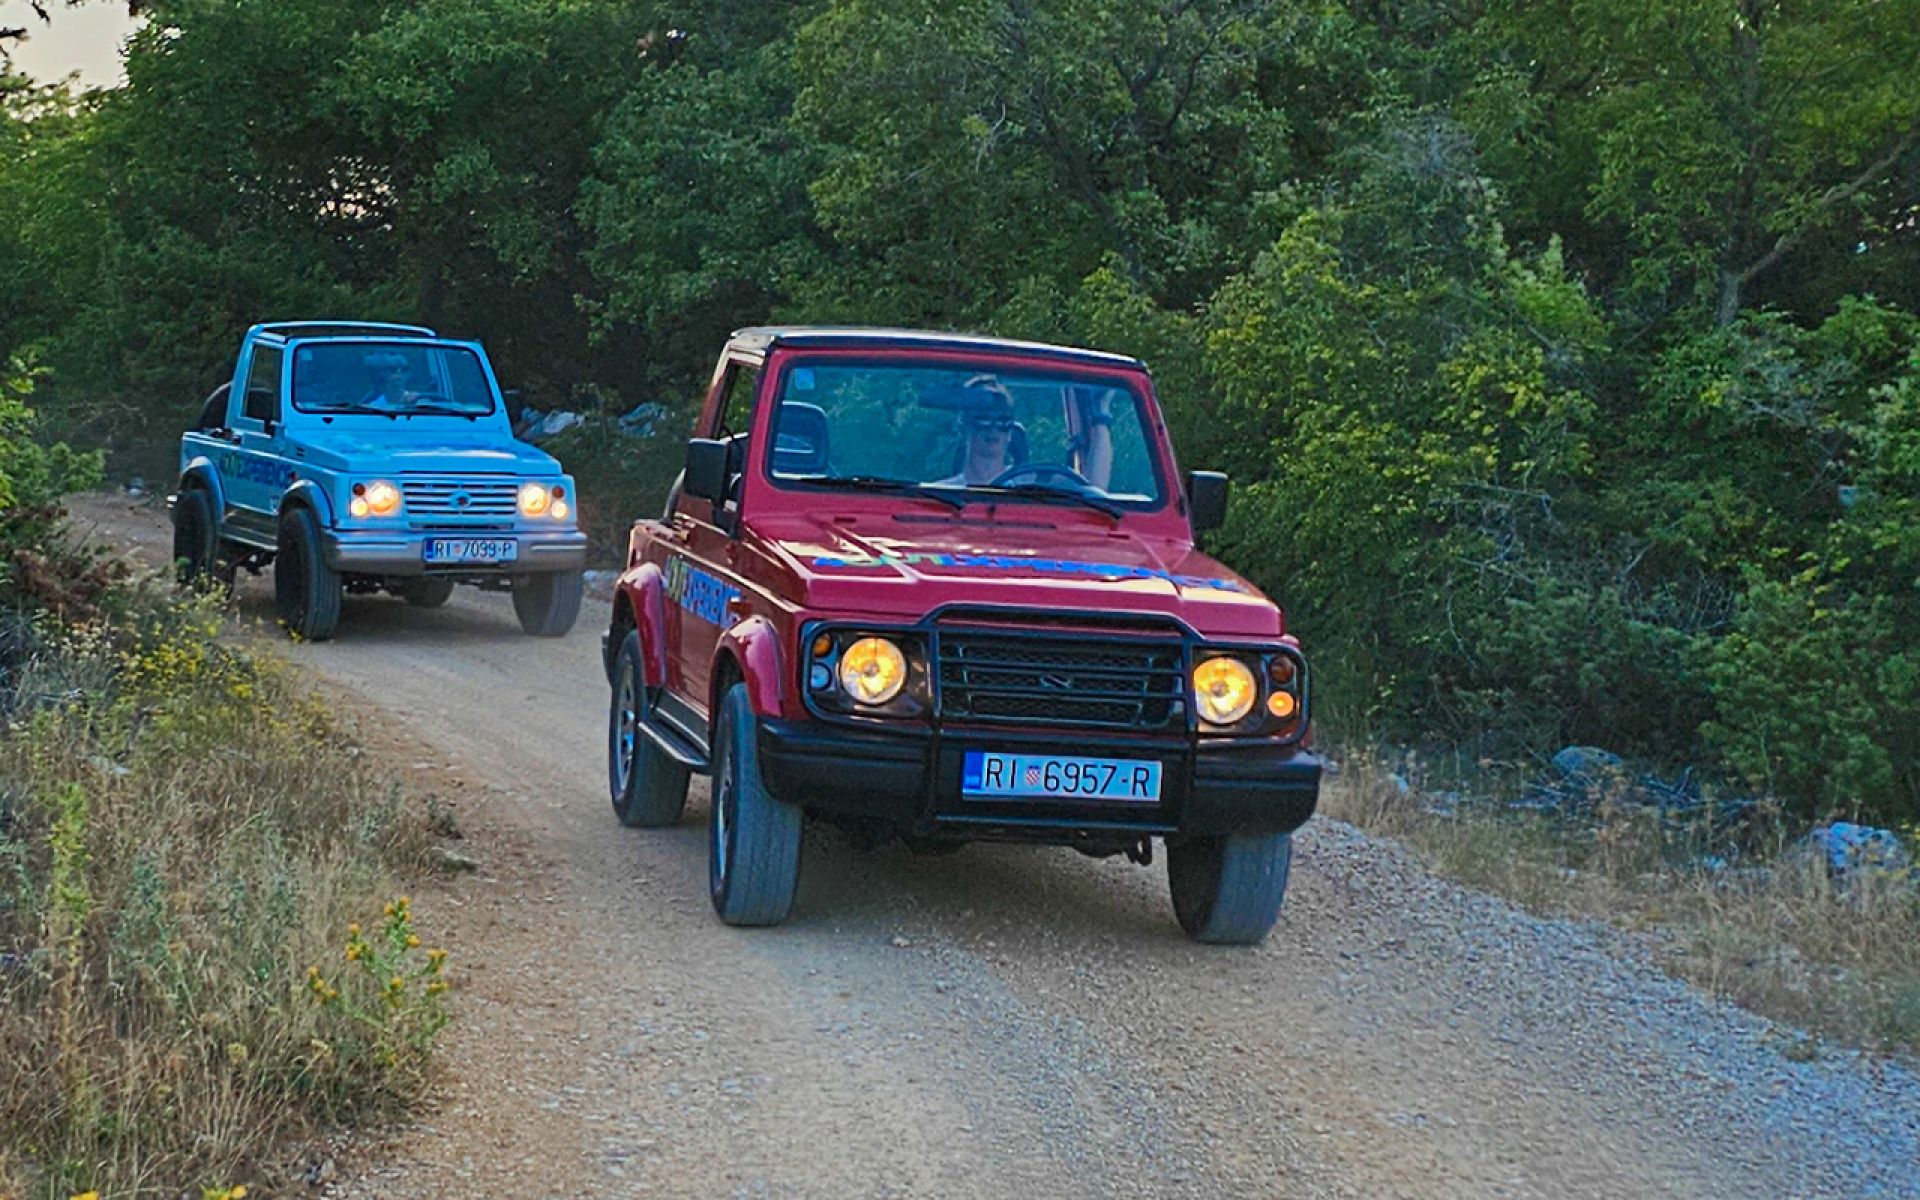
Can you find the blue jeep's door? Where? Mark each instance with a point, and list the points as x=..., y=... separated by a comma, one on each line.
x=254, y=471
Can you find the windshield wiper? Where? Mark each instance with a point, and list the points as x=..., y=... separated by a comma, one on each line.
x=440, y=410
x=1044, y=494
x=881, y=483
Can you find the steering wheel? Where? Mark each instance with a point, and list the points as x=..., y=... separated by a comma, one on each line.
x=1039, y=471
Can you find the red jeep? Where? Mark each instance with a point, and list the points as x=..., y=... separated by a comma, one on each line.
x=945, y=587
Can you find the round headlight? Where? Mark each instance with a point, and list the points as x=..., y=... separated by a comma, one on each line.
x=873, y=670
x=383, y=499
x=534, y=499
x=1224, y=689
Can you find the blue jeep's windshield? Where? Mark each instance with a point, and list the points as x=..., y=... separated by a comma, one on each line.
x=964, y=433
x=390, y=379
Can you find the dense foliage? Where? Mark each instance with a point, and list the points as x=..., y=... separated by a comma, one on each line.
x=1565, y=354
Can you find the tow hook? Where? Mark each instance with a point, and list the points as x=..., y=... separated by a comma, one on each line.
x=1141, y=852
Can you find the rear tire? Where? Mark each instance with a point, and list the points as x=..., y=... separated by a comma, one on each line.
x=196, y=541
x=306, y=590
x=424, y=591
x=1228, y=890
x=649, y=789
x=753, y=839
x=548, y=605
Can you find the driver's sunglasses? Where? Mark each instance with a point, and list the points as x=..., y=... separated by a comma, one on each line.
x=397, y=371
x=990, y=426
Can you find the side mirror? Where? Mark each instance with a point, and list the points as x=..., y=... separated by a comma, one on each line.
x=706, y=469
x=1207, y=499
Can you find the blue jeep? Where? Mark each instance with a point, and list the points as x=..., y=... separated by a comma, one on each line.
x=367, y=457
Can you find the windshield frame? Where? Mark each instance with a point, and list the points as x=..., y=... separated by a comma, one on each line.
x=429, y=345
x=1132, y=381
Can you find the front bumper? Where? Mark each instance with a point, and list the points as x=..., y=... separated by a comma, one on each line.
x=401, y=552
x=911, y=779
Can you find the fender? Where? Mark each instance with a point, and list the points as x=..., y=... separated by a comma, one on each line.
x=755, y=645
x=644, y=590
x=201, y=473
x=313, y=496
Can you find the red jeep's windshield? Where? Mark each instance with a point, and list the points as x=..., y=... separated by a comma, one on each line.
x=956, y=431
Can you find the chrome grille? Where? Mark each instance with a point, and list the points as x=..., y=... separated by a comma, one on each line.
x=478, y=498
x=1131, y=684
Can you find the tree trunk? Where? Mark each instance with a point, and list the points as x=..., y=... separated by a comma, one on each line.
x=1728, y=307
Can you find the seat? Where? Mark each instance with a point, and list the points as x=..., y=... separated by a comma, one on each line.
x=801, y=442
x=213, y=411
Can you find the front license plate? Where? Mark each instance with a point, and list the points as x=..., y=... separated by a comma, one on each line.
x=989, y=775
x=481, y=551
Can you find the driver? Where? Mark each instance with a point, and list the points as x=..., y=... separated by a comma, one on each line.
x=986, y=421
x=390, y=373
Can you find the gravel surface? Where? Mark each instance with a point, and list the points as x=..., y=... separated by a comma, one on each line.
x=1011, y=1020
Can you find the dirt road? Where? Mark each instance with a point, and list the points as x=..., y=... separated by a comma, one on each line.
x=1016, y=1022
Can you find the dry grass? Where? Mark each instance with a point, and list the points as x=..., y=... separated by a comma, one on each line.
x=183, y=834
x=1776, y=934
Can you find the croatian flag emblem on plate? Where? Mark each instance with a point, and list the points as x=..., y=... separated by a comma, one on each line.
x=1033, y=776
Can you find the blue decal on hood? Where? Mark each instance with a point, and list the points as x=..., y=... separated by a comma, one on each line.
x=1014, y=562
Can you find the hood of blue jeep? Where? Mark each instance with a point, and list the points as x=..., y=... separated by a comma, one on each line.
x=439, y=451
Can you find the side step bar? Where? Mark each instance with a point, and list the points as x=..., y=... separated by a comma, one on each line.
x=675, y=742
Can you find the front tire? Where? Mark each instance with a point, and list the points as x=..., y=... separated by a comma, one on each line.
x=305, y=589
x=753, y=838
x=649, y=789
x=1228, y=890
x=548, y=605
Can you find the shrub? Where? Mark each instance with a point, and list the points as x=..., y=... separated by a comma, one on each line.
x=183, y=837
x=36, y=569
x=1817, y=693
x=621, y=478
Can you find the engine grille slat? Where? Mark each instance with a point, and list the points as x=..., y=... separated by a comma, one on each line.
x=1134, y=684
x=460, y=497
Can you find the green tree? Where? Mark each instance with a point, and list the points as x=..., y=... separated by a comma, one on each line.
x=1721, y=139
x=971, y=148
x=1402, y=395
x=697, y=204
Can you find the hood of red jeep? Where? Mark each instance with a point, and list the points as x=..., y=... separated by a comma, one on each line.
x=899, y=569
